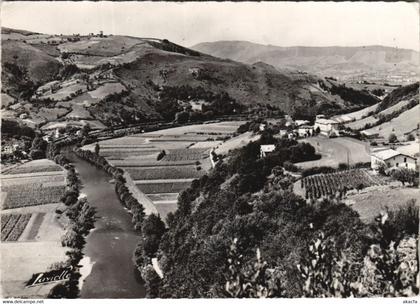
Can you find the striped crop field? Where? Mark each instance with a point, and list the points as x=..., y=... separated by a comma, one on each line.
x=168, y=172
x=185, y=154
x=24, y=195
x=12, y=226
x=159, y=187
x=321, y=185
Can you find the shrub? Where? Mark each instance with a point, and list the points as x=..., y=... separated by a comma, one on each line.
x=392, y=138
x=289, y=166
x=161, y=155
x=410, y=137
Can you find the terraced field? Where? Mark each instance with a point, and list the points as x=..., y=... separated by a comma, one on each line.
x=187, y=157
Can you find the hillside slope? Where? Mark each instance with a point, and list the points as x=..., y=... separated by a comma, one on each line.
x=120, y=80
x=344, y=62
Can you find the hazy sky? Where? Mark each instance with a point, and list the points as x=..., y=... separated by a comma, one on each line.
x=283, y=24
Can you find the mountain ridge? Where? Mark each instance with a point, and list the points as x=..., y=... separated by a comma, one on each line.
x=374, y=62
x=119, y=80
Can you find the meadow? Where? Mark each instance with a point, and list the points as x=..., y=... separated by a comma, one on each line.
x=334, y=151
x=35, y=166
x=380, y=198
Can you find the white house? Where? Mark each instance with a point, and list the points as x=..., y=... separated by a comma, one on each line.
x=327, y=127
x=266, y=149
x=305, y=131
x=392, y=159
x=300, y=122
x=198, y=105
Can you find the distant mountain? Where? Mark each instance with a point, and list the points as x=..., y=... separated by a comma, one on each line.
x=116, y=80
x=371, y=62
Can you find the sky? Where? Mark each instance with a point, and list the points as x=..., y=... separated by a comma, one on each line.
x=277, y=23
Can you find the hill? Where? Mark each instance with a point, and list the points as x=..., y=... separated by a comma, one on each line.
x=119, y=80
x=364, y=62
x=397, y=113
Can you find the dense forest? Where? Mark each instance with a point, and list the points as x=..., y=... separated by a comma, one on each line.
x=241, y=232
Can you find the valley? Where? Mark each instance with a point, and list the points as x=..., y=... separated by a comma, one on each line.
x=146, y=169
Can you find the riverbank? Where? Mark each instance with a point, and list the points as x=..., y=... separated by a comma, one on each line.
x=109, y=272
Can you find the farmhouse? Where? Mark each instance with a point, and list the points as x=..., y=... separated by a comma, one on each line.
x=392, y=159
x=369, y=134
x=305, y=131
x=266, y=149
x=327, y=127
x=198, y=105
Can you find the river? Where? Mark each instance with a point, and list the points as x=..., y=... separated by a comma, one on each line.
x=111, y=244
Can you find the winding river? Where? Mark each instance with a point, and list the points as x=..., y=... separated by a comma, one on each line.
x=111, y=244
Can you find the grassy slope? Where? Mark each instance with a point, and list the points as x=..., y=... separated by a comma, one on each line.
x=40, y=66
x=335, y=150
x=152, y=63
x=406, y=122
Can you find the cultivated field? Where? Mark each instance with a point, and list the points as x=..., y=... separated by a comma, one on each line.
x=106, y=90
x=187, y=157
x=36, y=182
x=322, y=185
x=30, y=228
x=12, y=226
x=360, y=124
x=176, y=155
x=35, y=166
x=167, y=172
x=357, y=115
x=406, y=122
x=163, y=186
x=31, y=194
x=334, y=151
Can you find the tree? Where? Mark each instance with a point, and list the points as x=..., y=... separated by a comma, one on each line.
x=182, y=117
x=404, y=175
x=392, y=138
x=410, y=137
x=85, y=130
x=97, y=149
x=38, y=147
x=153, y=228
x=252, y=280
